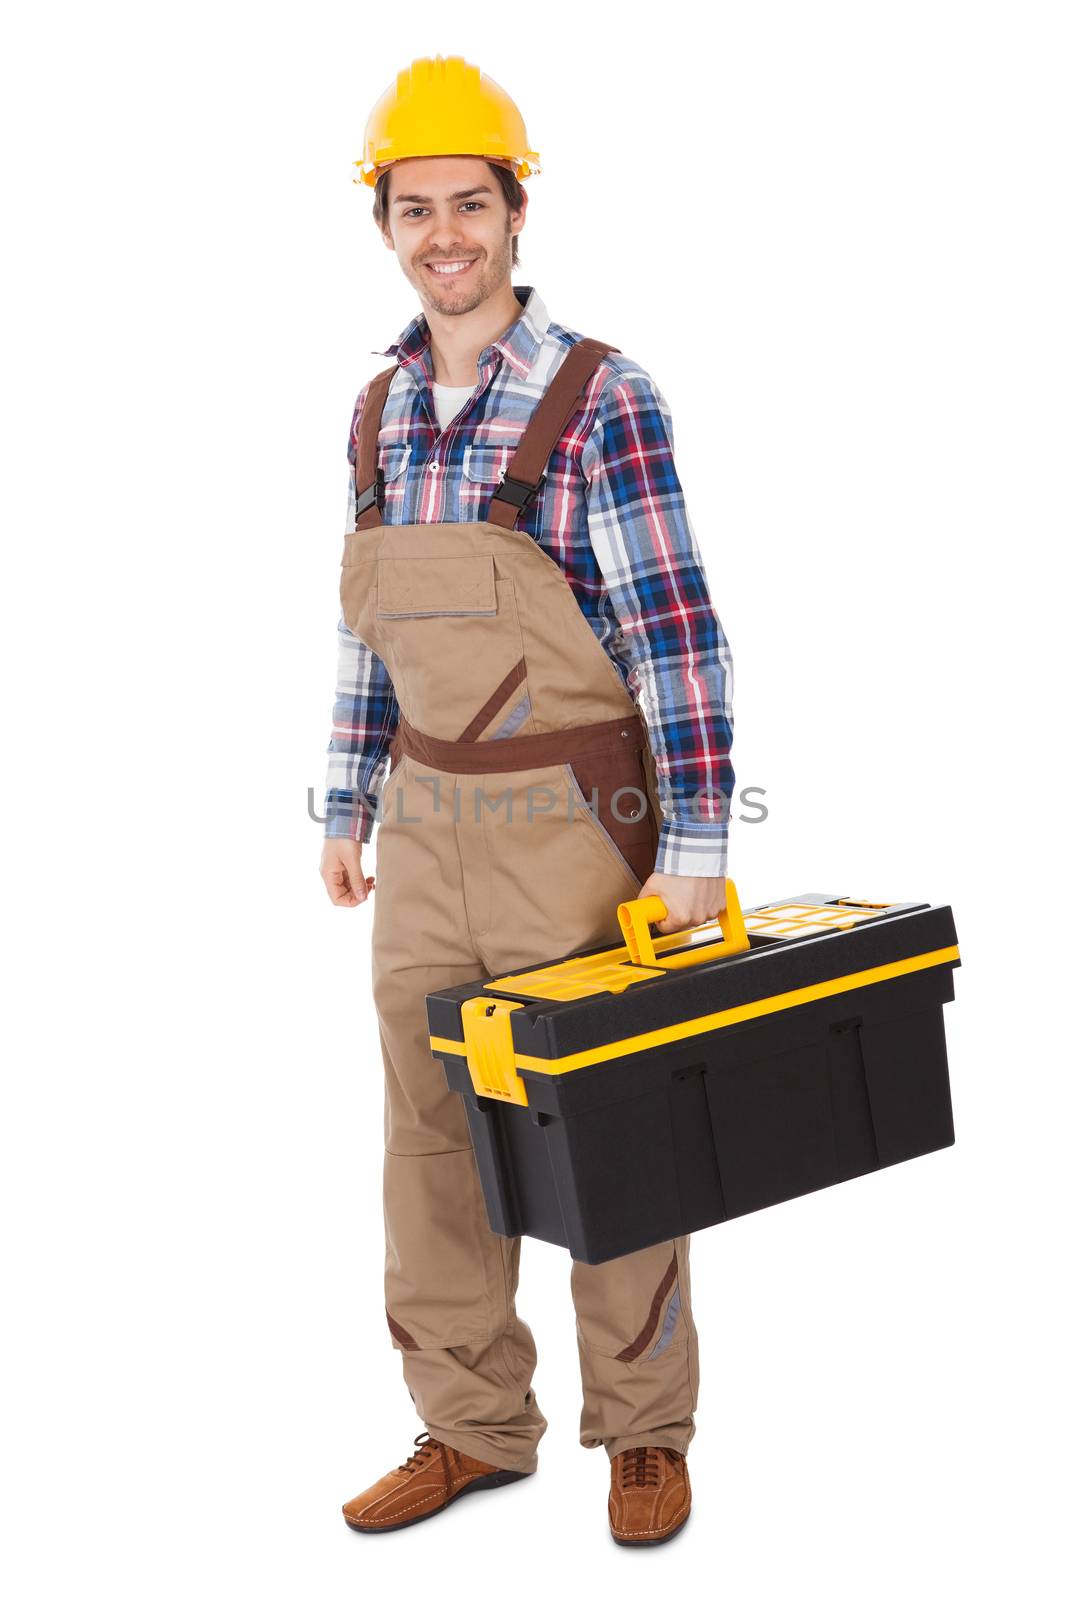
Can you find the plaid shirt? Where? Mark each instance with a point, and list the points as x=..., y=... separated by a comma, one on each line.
x=611, y=513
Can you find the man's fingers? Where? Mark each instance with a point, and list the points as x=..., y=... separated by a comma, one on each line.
x=338, y=887
x=690, y=902
x=341, y=873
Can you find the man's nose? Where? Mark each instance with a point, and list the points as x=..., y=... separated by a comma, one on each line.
x=447, y=240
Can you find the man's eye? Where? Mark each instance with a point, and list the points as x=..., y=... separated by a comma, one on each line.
x=477, y=204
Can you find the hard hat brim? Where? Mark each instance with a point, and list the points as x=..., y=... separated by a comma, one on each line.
x=525, y=167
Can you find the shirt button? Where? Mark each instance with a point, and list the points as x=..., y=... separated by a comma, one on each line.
x=435, y=466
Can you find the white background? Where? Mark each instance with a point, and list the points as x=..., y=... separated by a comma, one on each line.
x=834, y=235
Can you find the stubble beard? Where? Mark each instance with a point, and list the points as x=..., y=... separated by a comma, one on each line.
x=489, y=275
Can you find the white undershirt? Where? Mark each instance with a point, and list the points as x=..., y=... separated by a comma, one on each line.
x=448, y=401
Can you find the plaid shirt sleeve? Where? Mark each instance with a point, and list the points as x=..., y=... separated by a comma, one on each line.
x=365, y=714
x=680, y=667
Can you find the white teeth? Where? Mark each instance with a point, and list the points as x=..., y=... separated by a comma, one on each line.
x=454, y=266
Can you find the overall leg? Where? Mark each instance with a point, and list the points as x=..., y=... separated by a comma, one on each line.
x=637, y=1345
x=450, y=1282
x=555, y=888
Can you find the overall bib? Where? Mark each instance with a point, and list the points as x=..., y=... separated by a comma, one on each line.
x=520, y=808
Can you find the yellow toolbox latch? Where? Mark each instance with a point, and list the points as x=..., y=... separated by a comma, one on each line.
x=490, y=1049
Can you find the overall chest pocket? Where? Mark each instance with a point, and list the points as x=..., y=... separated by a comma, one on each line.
x=437, y=586
x=448, y=631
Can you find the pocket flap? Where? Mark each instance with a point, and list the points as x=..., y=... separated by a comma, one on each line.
x=392, y=459
x=433, y=586
x=486, y=463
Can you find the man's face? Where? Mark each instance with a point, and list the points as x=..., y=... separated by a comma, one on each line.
x=449, y=212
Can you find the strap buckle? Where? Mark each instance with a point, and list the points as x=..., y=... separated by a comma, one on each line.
x=516, y=493
x=372, y=496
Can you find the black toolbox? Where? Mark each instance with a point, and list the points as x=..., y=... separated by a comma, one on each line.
x=636, y=1092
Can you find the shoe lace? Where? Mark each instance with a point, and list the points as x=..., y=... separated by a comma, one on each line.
x=423, y=1453
x=641, y=1466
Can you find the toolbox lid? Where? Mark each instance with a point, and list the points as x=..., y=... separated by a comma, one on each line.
x=775, y=955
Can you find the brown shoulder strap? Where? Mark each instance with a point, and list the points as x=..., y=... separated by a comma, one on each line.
x=368, y=497
x=526, y=470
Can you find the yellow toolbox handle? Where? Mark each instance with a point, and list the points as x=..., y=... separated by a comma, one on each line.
x=635, y=917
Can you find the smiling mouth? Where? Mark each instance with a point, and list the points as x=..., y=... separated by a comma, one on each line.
x=448, y=269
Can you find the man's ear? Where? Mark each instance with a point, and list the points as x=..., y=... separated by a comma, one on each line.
x=387, y=236
x=518, y=218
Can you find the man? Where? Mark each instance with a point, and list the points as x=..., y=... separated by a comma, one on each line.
x=508, y=632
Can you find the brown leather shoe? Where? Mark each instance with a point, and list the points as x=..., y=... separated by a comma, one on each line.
x=429, y=1480
x=650, y=1497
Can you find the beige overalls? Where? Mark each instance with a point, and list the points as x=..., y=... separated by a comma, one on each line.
x=514, y=726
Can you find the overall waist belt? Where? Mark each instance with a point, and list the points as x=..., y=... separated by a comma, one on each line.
x=516, y=754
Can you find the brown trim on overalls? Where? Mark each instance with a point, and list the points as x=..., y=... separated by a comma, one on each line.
x=499, y=697
x=548, y=749
x=605, y=758
x=644, y=1338
x=401, y=1335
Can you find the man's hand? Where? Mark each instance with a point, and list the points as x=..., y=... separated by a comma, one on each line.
x=342, y=874
x=689, y=901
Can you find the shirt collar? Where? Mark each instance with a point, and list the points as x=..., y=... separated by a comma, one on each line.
x=519, y=344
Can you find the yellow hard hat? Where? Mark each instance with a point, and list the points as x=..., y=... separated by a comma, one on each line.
x=444, y=106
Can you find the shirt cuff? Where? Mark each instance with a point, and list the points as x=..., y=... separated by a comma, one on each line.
x=348, y=818
x=692, y=850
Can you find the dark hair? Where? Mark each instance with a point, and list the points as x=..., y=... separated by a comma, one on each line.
x=510, y=185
